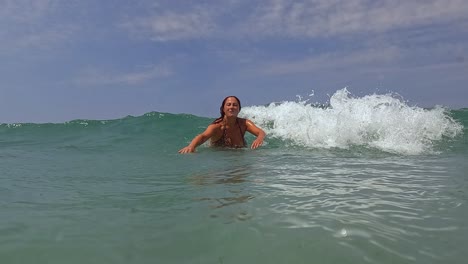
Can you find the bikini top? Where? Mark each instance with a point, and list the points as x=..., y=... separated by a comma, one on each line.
x=225, y=140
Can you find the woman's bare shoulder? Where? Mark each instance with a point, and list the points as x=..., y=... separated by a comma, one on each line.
x=242, y=120
x=215, y=126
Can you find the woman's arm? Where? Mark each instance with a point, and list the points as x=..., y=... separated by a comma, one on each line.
x=258, y=132
x=199, y=139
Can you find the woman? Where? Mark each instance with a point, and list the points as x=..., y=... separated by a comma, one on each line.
x=228, y=130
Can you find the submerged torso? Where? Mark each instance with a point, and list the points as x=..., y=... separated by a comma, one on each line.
x=232, y=136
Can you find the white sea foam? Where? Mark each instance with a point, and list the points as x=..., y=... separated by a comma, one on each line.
x=378, y=121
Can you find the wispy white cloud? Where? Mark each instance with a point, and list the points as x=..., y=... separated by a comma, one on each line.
x=415, y=33
x=297, y=18
x=372, y=58
x=42, y=39
x=315, y=18
x=24, y=11
x=26, y=24
x=95, y=76
x=169, y=25
x=335, y=60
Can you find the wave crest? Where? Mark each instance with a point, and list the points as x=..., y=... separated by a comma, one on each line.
x=377, y=121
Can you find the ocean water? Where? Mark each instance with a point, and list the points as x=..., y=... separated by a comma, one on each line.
x=362, y=180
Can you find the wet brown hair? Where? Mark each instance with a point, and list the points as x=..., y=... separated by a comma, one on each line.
x=221, y=108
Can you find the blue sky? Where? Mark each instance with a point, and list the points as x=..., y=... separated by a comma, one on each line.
x=68, y=59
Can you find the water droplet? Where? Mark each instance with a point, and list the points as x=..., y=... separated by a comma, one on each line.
x=344, y=233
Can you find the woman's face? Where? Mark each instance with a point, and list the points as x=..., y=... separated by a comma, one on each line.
x=231, y=107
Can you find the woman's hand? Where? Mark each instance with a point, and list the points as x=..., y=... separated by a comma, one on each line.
x=187, y=149
x=258, y=132
x=257, y=143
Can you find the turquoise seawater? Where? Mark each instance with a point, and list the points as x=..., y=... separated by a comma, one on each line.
x=364, y=180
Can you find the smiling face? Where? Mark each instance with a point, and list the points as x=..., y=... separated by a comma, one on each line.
x=231, y=107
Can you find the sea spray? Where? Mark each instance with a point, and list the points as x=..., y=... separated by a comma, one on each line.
x=376, y=121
